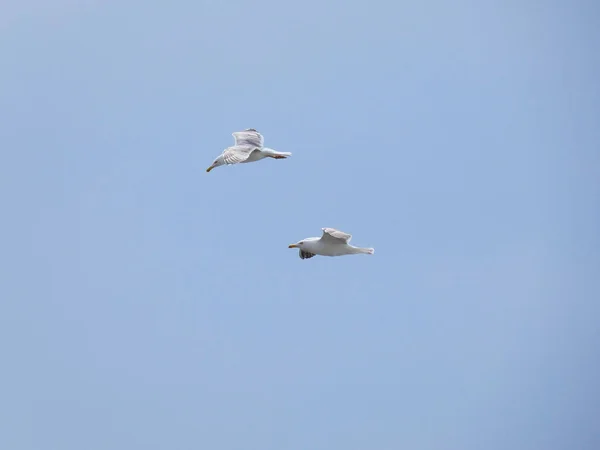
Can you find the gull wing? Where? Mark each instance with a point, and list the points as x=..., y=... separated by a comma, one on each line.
x=248, y=137
x=305, y=255
x=237, y=154
x=335, y=236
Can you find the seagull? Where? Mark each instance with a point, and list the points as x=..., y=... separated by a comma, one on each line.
x=332, y=243
x=248, y=148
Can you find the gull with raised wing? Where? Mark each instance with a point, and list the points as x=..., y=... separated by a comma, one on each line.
x=332, y=243
x=248, y=148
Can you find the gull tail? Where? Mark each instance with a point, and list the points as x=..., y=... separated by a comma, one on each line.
x=370, y=251
x=275, y=154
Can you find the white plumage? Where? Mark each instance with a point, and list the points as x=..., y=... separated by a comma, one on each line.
x=332, y=243
x=248, y=147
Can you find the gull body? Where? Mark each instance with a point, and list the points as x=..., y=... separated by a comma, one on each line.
x=332, y=243
x=248, y=148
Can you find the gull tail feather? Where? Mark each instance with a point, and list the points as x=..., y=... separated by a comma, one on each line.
x=272, y=152
x=365, y=251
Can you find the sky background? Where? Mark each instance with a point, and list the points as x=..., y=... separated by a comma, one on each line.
x=146, y=304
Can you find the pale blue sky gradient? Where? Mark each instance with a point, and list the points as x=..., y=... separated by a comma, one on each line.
x=146, y=304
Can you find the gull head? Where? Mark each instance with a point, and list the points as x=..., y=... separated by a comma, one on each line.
x=299, y=244
x=216, y=163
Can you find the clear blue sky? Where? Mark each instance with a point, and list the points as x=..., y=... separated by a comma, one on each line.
x=146, y=304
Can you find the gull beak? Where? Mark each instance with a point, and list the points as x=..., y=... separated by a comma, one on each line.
x=293, y=246
x=210, y=168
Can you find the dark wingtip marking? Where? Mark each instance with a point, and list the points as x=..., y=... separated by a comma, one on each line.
x=306, y=255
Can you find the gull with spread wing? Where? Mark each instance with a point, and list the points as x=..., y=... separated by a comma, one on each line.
x=332, y=243
x=248, y=148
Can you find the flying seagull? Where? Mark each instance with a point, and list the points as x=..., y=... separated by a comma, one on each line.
x=248, y=148
x=332, y=243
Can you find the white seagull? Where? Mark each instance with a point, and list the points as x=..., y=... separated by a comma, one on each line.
x=332, y=243
x=248, y=148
